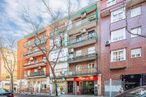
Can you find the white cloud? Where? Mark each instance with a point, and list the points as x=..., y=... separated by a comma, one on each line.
x=14, y=10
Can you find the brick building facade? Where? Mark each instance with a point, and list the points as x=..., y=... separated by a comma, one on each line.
x=122, y=55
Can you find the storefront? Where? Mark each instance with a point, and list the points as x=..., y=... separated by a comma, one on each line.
x=86, y=85
x=133, y=80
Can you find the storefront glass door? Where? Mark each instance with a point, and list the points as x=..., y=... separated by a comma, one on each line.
x=87, y=87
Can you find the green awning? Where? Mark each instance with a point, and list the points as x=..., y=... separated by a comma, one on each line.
x=78, y=13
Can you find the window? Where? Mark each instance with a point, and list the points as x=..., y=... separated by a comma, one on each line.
x=118, y=55
x=136, y=53
x=136, y=31
x=118, y=15
x=78, y=68
x=117, y=35
x=91, y=50
x=135, y=11
x=78, y=53
x=111, y=2
x=79, y=38
x=91, y=34
x=91, y=66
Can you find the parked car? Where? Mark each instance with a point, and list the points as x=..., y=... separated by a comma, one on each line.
x=135, y=92
x=5, y=93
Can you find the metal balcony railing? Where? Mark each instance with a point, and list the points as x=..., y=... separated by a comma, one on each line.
x=76, y=25
x=83, y=57
x=34, y=52
x=37, y=74
x=34, y=43
x=83, y=39
x=72, y=73
x=34, y=64
x=83, y=22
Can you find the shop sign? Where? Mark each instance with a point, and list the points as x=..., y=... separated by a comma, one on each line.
x=86, y=78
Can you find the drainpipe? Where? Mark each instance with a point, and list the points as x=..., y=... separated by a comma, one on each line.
x=110, y=93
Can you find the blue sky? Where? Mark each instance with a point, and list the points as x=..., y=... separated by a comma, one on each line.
x=12, y=12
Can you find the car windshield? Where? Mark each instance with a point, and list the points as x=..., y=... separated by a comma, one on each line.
x=3, y=91
x=136, y=93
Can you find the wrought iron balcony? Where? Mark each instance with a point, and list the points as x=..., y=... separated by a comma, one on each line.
x=33, y=53
x=81, y=58
x=33, y=43
x=85, y=40
x=35, y=64
x=63, y=73
x=88, y=21
x=36, y=74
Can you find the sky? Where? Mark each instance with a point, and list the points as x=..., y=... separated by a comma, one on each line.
x=12, y=13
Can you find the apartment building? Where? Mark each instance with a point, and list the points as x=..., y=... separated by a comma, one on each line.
x=4, y=74
x=122, y=54
x=59, y=54
x=82, y=47
x=33, y=69
x=77, y=68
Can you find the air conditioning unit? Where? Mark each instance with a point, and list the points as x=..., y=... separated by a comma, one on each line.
x=71, y=50
x=83, y=30
x=107, y=43
x=83, y=15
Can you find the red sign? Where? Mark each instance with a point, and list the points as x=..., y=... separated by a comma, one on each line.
x=86, y=78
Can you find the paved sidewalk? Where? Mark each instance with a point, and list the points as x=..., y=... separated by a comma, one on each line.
x=79, y=96
x=46, y=95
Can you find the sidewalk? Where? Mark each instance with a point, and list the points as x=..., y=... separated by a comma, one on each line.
x=79, y=96
x=46, y=95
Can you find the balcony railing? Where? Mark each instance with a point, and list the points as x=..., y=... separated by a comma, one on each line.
x=83, y=57
x=34, y=53
x=84, y=22
x=76, y=25
x=35, y=64
x=85, y=40
x=73, y=73
x=34, y=43
x=37, y=74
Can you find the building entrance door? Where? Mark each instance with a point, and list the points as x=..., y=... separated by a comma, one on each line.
x=87, y=87
x=70, y=87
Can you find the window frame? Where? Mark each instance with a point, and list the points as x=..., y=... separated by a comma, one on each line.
x=118, y=19
x=116, y=31
x=124, y=55
x=136, y=28
x=135, y=54
x=131, y=15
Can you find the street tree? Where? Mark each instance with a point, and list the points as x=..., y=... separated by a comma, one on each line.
x=57, y=35
x=8, y=55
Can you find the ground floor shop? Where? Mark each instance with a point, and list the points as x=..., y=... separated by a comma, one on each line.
x=125, y=82
x=61, y=87
x=84, y=85
x=38, y=85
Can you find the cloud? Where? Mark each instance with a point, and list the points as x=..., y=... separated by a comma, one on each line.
x=12, y=11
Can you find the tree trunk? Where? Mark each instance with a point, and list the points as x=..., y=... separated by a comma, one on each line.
x=55, y=82
x=12, y=83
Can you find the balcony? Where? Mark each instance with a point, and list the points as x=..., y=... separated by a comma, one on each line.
x=82, y=58
x=35, y=64
x=118, y=65
x=85, y=40
x=40, y=74
x=86, y=23
x=34, y=53
x=33, y=43
x=63, y=73
x=131, y=3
